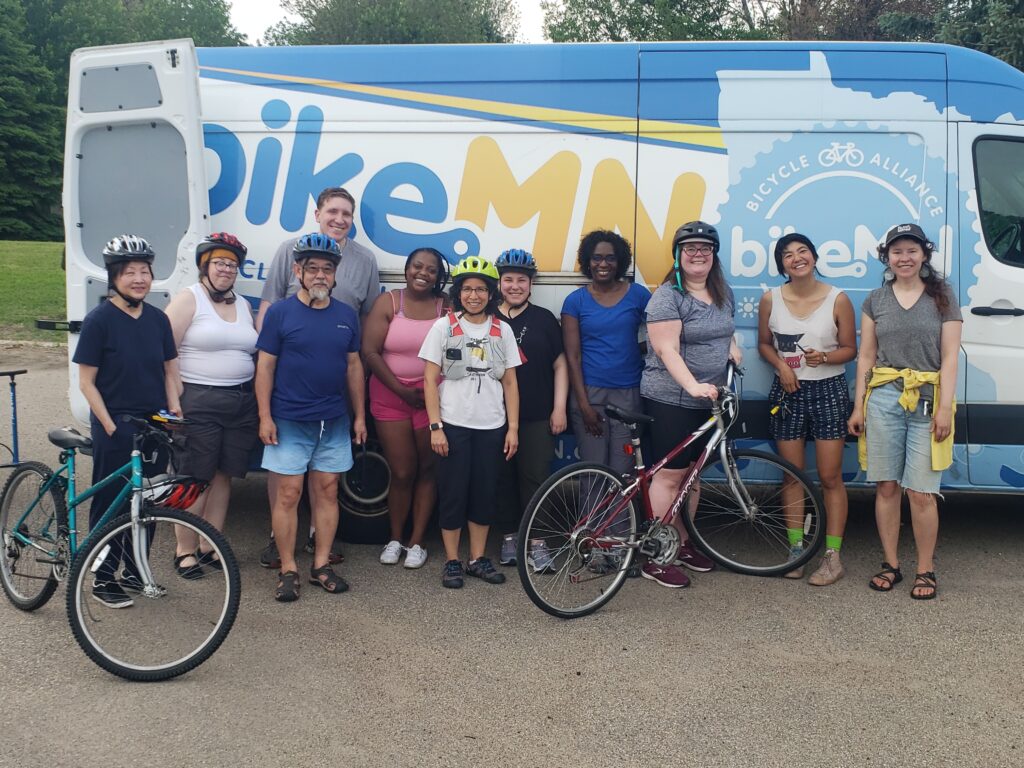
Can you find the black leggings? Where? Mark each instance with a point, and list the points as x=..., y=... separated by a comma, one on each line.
x=467, y=478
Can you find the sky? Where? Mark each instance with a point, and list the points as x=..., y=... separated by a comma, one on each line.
x=252, y=17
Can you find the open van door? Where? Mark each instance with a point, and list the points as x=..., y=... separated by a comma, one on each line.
x=133, y=163
x=992, y=297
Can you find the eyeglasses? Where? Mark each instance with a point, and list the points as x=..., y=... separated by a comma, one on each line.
x=311, y=270
x=693, y=250
x=477, y=291
x=227, y=266
x=604, y=258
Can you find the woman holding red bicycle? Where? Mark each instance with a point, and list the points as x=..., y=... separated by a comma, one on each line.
x=690, y=327
x=807, y=332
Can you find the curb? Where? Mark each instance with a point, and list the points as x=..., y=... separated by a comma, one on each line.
x=31, y=343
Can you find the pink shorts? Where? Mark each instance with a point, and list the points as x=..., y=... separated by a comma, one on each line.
x=385, y=405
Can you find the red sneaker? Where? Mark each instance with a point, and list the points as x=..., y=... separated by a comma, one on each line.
x=666, y=575
x=689, y=557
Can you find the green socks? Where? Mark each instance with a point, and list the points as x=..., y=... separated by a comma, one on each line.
x=796, y=537
x=831, y=542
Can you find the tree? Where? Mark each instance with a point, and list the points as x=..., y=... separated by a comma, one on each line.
x=29, y=136
x=622, y=20
x=993, y=26
x=396, y=21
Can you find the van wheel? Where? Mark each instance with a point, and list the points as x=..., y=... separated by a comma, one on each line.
x=363, y=497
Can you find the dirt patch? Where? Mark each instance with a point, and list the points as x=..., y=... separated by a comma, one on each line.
x=16, y=354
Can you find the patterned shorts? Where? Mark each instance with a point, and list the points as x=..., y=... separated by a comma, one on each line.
x=819, y=409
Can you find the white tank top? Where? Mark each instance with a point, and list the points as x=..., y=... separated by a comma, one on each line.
x=791, y=335
x=214, y=351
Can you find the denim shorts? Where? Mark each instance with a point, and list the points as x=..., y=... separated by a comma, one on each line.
x=323, y=446
x=900, y=442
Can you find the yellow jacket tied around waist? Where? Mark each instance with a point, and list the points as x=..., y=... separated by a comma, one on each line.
x=942, y=450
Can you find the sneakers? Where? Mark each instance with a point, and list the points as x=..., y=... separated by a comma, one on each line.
x=392, y=552
x=666, y=575
x=111, y=594
x=689, y=557
x=796, y=573
x=415, y=556
x=269, y=557
x=452, y=576
x=830, y=570
x=508, y=550
x=602, y=563
x=333, y=558
x=540, y=558
x=483, y=568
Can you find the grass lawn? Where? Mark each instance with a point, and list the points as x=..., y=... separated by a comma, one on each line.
x=31, y=287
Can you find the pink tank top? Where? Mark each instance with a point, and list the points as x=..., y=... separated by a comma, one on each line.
x=401, y=351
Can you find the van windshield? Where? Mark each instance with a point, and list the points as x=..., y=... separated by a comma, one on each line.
x=999, y=163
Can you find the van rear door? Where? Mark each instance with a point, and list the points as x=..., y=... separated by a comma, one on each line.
x=133, y=164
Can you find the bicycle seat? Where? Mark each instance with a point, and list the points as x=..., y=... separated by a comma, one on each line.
x=67, y=437
x=627, y=417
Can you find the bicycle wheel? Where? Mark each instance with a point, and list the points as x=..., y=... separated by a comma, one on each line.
x=573, y=540
x=165, y=630
x=752, y=537
x=26, y=568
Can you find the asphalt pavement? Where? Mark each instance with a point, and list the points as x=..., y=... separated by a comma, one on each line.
x=733, y=671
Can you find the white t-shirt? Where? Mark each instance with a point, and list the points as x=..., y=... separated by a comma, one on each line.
x=476, y=401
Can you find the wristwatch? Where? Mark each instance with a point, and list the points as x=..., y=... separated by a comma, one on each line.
x=436, y=426
x=824, y=357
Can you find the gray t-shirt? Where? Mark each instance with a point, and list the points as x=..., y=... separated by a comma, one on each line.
x=909, y=338
x=358, y=282
x=703, y=344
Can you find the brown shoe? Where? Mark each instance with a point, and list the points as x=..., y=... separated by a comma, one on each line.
x=830, y=570
x=796, y=573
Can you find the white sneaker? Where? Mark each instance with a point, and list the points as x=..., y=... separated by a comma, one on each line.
x=415, y=556
x=392, y=552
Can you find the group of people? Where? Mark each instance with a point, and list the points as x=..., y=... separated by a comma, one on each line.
x=470, y=382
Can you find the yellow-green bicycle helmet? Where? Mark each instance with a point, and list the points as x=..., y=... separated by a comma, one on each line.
x=474, y=266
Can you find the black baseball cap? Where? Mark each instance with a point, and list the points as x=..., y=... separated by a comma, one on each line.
x=906, y=230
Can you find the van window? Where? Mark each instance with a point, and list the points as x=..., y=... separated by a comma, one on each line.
x=999, y=164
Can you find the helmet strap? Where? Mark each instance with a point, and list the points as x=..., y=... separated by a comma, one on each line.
x=677, y=273
x=218, y=297
x=132, y=303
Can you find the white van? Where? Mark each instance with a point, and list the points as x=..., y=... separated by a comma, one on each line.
x=474, y=149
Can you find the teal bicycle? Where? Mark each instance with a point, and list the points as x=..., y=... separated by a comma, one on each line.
x=173, y=622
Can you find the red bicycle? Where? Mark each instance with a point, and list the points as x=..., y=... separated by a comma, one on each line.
x=581, y=530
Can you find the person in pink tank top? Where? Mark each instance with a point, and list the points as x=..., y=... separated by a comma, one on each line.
x=392, y=336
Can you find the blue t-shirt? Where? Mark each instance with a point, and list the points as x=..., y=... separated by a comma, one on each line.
x=608, y=336
x=129, y=354
x=312, y=348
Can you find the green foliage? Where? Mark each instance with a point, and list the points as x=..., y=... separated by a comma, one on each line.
x=30, y=138
x=32, y=288
x=993, y=26
x=329, y=22
x=623, y=20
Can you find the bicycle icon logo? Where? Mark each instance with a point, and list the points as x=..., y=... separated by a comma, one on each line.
x=841, y=153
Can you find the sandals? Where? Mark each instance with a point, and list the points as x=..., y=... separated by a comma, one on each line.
x=889, y=576
x=325, y=578
x=287, y=587
x=927, y=581
x=190, y=572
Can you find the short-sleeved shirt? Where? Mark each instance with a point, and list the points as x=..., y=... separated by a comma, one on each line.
x=909, y=338
x=312, y=348
x=703, y=344
x=129, y=353
x=540, y=338
x=609, y=342
x=357, y=281
x=476, y=401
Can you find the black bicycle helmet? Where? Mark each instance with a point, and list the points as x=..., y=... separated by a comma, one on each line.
x=127, y=248
x=696, y=230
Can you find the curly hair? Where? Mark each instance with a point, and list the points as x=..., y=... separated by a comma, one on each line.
x=590, y=241
x=442, y=269
x=936, y=286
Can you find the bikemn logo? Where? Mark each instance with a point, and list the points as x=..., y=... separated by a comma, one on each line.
x=842, y=191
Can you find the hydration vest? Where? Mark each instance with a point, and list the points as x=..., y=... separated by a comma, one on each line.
x=490, y=360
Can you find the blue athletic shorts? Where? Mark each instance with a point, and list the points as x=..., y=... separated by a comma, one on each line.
x=323, y=446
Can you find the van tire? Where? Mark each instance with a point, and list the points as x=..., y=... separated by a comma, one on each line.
x=363, y=497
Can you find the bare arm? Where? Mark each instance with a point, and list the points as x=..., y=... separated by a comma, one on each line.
x=574, y=358
x=266, y=364
x=173, y=386
x=949, y=345
x=356, y=380
x=866, y=359
x=558, y=422
x=260, y=313
x=432, y=399
x=511, y=390
x=87, y=385
x=180, y=311
x=664, y=337
x=790, y=383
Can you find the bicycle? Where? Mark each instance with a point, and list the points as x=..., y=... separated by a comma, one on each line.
x=173, y=624
x=581, y=532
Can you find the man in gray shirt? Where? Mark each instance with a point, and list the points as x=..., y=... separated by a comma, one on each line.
x=357, y=283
